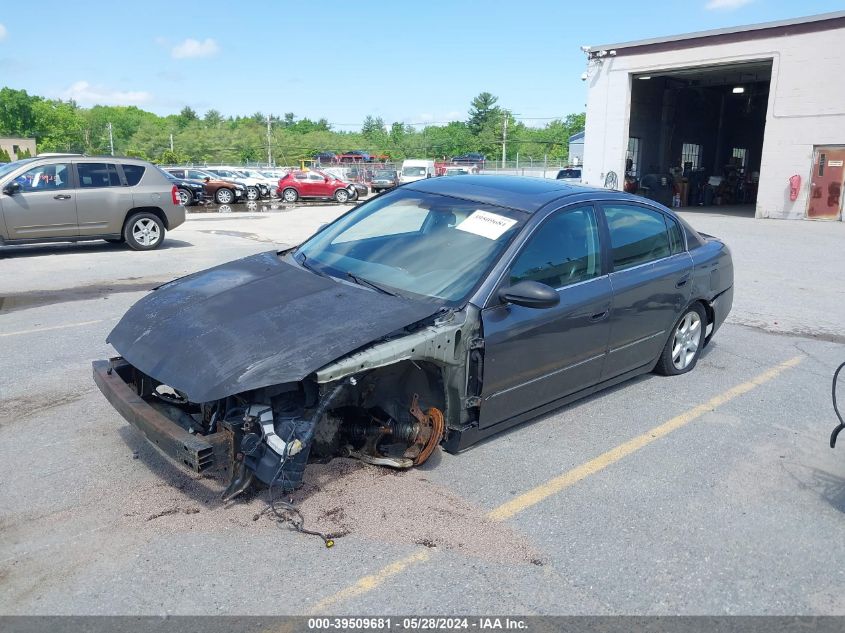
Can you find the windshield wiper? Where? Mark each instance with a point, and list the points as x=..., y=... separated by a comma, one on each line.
x=366, y=282
x=308, y=266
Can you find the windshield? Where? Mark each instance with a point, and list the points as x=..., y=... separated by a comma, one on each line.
x=390, y=242
x=10, y=167
x=455, y=172
x=168, y=175
x=384, y=174
x=413, y=171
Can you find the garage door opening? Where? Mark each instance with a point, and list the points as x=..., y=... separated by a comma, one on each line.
x=696, y=134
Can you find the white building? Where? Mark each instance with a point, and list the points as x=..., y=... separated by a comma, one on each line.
x=742, y=110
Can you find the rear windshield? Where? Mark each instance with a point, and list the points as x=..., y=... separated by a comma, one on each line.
x=413, y=171
x=133, y=174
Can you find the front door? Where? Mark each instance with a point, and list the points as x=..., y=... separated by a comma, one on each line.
x=535, y=356
x=44, y=207
x=826, y=183
x=651, y=282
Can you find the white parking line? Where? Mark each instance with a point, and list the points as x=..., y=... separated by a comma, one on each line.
x=55, y=327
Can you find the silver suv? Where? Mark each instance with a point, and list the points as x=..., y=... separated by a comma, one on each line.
x=71, y=198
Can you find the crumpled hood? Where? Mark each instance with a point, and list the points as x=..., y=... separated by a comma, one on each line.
x=252, y=323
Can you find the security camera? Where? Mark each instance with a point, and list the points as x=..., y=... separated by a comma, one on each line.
x=583, y=76
x=601, y=53
x=613, y=53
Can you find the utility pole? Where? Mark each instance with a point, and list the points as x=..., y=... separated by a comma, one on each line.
x=171, y=141
x=269, y=151
x=111, y=140
x=505, y=140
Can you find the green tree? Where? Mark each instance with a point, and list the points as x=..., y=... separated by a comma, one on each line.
x=482, y=112
x=186, y=116
x=4, y=156
x=170, y=157
x=213, y=118
x=16, y=113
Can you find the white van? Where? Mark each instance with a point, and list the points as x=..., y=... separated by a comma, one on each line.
x=413, y=169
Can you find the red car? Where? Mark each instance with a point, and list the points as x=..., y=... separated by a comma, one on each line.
x=314, y=184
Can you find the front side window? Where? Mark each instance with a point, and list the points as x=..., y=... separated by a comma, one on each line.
x=92, y=175
x=563, y=251
x=415, y=244
x=45, y=178
x=637, y=235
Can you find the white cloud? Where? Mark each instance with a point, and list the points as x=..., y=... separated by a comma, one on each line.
x=194, y=48
x=3, y=32
x=85, y=94
x=728, y=5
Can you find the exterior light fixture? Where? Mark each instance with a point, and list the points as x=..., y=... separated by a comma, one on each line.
x=738, y=90
x=644, y=77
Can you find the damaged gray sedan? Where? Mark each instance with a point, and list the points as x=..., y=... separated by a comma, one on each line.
x=436, y=314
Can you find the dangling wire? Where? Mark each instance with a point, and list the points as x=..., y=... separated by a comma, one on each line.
x=294, y=516
x=841, y=424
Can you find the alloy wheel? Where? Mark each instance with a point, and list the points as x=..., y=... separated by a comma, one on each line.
x=686, y=340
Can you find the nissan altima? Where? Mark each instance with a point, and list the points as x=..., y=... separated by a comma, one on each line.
x=437, y=314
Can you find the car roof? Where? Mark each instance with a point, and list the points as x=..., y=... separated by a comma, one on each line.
x=516, y=192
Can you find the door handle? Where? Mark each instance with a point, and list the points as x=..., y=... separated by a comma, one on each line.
x=61, y=196
x=682, y=281
x=600, y=315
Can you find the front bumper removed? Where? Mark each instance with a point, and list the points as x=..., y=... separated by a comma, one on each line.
x=202, y=454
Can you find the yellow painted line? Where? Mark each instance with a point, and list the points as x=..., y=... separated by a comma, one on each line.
x=368, y=583
x=561, y=482
x=54, y=327
x=554, y=486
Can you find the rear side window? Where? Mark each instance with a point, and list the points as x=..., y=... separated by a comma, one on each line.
x=637, y=235
x=133, y=174
x=94, y=175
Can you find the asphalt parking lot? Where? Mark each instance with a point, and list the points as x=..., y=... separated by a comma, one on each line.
x=710, y=493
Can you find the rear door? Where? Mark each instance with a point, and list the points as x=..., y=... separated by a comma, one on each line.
x=651, y=281
x=102, y=199
x=45, y=206
x=535, y=356
x=826, y=183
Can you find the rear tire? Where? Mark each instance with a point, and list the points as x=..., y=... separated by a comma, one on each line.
x=186, y=198
x=683, y=348
x=143, y=231
x=342, y=196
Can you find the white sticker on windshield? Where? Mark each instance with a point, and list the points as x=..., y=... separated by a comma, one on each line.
x=486, y=224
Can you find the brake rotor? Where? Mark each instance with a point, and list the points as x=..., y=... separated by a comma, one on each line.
x=430, y=428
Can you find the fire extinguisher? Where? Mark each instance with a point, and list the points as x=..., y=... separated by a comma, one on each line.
x=794, y=186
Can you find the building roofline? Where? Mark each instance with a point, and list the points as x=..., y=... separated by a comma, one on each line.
x=762, y=26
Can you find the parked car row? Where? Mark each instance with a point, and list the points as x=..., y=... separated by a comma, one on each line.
x=223, y=185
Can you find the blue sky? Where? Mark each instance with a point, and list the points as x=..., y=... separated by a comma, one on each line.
x=405, y=61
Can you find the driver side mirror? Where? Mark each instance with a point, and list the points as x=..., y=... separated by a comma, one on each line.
x=530, y=294
x=12, y=188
